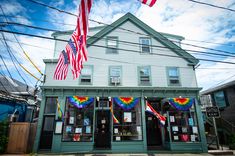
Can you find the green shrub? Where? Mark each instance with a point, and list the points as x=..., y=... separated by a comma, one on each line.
x=232, y=141
x=3, y=136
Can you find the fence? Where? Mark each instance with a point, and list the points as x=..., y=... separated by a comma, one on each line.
x=21, y=137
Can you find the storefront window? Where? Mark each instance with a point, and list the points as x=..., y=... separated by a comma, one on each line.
x=182, y=126
x=78, y=122
x=128, y=126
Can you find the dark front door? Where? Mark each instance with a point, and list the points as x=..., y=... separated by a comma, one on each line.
x=154, y=137
x=47, y=133
x=102, y=133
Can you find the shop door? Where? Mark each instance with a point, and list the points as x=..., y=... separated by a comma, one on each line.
x=102, y=133
x=47, y=133
x=154, y=137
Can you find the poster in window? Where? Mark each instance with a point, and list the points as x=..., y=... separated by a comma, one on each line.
x=86, y=122
x=193, y=138
x=58, y=127
x=68, y=129
x=172, y=119
x=184, y=130
x=78, y=130
x=190, y=121
x=76, y=137
x=118, y=138
x=175, y=128
x=176, y=137
x=127, y=117
x=195, y=130
x=116, y=130
x=88, y=129
x=71, y=120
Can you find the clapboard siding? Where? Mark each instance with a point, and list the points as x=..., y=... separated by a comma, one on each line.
x=129, y=70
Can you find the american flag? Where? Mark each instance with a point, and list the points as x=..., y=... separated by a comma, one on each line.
x=160, y=117
x=80, y=35
x=148, y=2
x=76, y=47
x=62, y=66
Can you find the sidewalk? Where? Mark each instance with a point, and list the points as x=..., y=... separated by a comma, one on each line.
x=185, y=154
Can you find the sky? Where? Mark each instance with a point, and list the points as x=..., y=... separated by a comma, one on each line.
x=199, y=24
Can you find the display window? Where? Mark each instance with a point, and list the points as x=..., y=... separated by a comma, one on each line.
x=127, y=125
x=182, y=123
x=78, y=120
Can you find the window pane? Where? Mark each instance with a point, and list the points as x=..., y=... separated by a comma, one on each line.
x=173, y=72
x=220, y=99
x=78, y=123
x=129, y=127
x=86, y=71
x=145, y=44
x=144, y=71
x=112, y=44
x=115, y=71
x=48, y=124
x=51, y=104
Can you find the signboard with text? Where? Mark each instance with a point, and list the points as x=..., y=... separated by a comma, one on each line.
x=212, y=112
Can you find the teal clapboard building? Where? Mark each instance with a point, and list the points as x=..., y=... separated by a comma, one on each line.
x=136, y=93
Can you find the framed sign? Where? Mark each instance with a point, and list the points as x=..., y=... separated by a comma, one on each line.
x=127, y=117
x=58, y=127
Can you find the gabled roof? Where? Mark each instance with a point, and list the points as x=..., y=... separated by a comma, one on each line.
x=156, y=35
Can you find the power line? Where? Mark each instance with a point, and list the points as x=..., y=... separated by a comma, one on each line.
x=60, y=23
x=69, y=13
x=11, y=54
x=101, y=46
x=132, y=43
x=21, y=46
x=212, y=5
x=109, y=59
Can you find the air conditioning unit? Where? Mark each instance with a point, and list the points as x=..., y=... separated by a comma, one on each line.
x=115, y=80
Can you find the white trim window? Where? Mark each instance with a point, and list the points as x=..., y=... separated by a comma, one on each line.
x=86, y=75
x=144, y=75
x=145, y=45
x=115, y=75
x=112, y=44
x=173, y=76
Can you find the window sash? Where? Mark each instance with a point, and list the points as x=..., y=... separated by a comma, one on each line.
x=86, y=75
x=112, y=44
x=144, y=75
x=145, y=45
x=115, y=72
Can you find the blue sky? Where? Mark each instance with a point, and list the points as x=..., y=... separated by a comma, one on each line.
x=193, y=21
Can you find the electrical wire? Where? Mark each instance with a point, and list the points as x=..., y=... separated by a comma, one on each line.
x=129, y=43
x=101, y=46
x=54, y=21
x=40, y=47
x=30, y=60
x=138, y=33
x=212, y=5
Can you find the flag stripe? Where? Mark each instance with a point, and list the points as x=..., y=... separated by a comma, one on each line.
x=148, y=2
x=61, y=67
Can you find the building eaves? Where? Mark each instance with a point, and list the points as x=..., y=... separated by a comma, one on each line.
x=218, y=88
x=156, y=35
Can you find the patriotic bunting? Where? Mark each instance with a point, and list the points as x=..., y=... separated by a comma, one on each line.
x=76, y=48
x=148, y=2
x=150, y=109
x=181, y=103
x=80, y=102
x=126, y=103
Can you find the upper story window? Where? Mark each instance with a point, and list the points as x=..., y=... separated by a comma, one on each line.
x=115, y=75
x=173, y=76
x=144, y=75
x=219, y=98
x=145, y=45
x=86, y=75
x=112, y=44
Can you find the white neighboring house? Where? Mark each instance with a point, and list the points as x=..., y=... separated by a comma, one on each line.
x=146, y=65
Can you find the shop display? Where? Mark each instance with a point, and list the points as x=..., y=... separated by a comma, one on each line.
x=183, y=129
x=78, y=120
